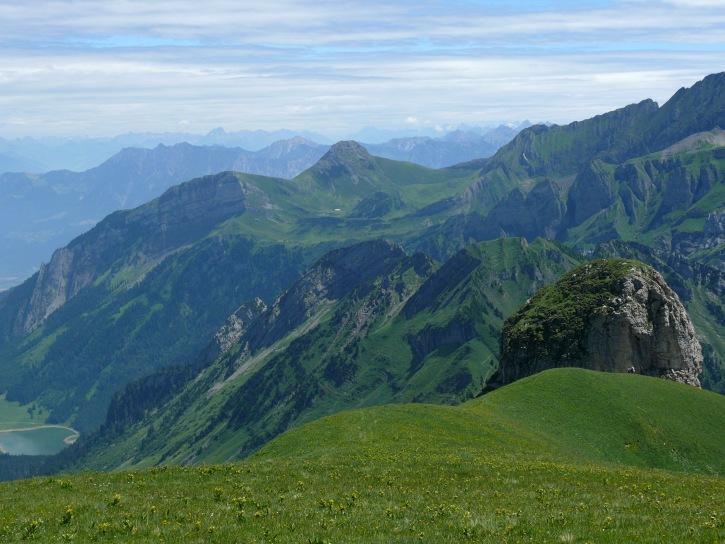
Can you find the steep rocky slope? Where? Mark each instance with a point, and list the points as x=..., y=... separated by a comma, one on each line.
x=611, y=315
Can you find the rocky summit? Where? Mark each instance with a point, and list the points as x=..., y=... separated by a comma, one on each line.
x=612, y=315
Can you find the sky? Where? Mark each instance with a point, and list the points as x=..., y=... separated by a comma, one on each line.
x=101, y=68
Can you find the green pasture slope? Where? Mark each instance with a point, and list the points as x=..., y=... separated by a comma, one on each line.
x=13, y=415
x=567, y=455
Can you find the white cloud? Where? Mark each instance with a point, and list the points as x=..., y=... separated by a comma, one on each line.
x=105, y=67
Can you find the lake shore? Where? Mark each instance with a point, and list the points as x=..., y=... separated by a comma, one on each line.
x=40, y=427
x=68, y=440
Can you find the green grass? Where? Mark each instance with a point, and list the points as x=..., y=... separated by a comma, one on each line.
x=620, y=418
x=13, y=415
x=509, y=467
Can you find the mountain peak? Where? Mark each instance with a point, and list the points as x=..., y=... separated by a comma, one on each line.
x=699, y=108
x=219, y=131
x=346, y=159
x=346, y=154
x=348, y=148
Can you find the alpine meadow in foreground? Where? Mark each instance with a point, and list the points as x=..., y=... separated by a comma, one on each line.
x=496, y=469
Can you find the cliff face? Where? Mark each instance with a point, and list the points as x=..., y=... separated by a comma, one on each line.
x=611, y=315
x=713, y=234
x=334, y=276
x=646, y=328
x=158, y=229
x=238, y=323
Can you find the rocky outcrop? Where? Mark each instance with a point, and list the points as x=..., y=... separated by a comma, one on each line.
x=158, y=229
x=237, y=324
x=335, y=275
x=611, y=315
x=54, y=284
x=713, y=234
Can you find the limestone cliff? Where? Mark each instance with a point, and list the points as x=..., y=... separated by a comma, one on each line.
x=149, y=233
x=333, y=276
x=238, y=323
x=612, y=315
x=713, y=234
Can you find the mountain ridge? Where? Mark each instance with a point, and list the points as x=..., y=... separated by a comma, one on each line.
x=361, y=347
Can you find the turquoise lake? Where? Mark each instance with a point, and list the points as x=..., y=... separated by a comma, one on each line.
x=42, y=441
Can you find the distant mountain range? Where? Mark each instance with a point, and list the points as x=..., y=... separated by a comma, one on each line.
x=198, y=326
x=41, y=212
x=39, y=155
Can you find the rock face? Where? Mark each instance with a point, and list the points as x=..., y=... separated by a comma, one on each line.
x=333, y=276
x=160, y=228
x=611, y=315
x=713, y=234
x=238, y=323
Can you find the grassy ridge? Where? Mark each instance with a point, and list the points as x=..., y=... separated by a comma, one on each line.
x=562, y=413
x=620, y=418
x=493, y=470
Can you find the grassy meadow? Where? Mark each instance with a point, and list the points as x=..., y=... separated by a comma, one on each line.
x=15, y=416
x=481, y=472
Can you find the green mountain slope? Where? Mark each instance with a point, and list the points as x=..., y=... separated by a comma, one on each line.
x=398, y=330
x=524, y=464
x=640, y=173
x=147, y=288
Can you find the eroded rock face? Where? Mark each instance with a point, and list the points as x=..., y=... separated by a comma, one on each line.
x=713, y=234
x=647, y=329
x=333, y=276
x=56, y=282
x=238, y=323
x=611, y=315
x=160, y=228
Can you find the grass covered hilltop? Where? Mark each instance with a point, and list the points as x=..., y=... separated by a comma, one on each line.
x=567, y=455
